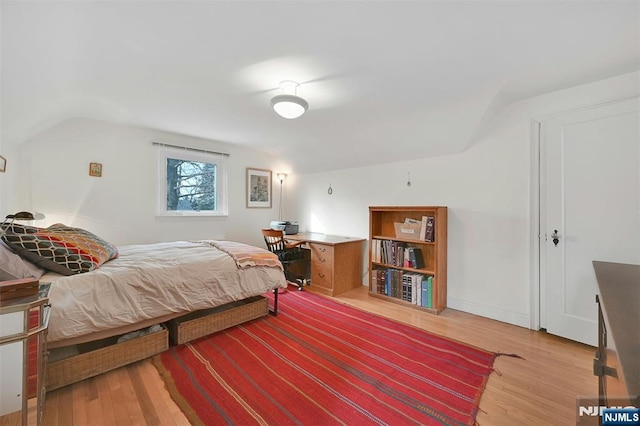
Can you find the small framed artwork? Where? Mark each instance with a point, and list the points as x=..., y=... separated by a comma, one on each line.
x=3, y=164
x=258, y=188
x=95, y=169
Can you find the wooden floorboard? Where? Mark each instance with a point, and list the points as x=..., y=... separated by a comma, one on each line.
x=538, y=389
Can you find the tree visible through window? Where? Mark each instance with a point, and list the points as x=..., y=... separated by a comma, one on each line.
x=191, y=185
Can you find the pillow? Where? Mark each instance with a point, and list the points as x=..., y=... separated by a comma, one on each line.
x=13, y=267
x=60, y=248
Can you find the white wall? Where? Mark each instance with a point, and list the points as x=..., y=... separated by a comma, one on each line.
x=488, y=189
x=50, y=175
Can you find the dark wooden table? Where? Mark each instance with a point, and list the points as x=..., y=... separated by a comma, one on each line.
x=619, y=294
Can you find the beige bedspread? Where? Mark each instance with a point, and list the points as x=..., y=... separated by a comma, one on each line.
x=151, y=281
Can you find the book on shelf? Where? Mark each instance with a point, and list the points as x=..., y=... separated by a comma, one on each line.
x=415, y=286
x=427, y=292
x=387, y=283
x=406, y=288
x=411, y=287
x=410, y=283
x=423, y=227
x=376, y=250
x=392, y=253
x=380, y=276
x=416, y=260
x=374, y=282
x=399, y=260
x=393, y=283
x=383, y=251
x=429, y=235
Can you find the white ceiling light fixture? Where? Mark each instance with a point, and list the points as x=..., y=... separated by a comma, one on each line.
x=289, y=105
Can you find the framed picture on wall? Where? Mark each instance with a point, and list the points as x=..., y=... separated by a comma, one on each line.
x=95, y=169
x=258, y=188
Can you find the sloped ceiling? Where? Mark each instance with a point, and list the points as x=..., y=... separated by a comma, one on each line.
x=386, y=81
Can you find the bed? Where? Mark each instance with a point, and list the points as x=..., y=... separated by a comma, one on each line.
x=150, y=284
x=99, y=315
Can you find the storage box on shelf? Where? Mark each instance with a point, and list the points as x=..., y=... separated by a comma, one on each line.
x=408, y=255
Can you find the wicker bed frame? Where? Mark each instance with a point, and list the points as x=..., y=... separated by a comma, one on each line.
x=107, y=354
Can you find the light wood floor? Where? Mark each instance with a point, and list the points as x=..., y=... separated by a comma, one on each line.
x=540, y=389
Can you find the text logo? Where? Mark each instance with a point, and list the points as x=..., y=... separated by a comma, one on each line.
x=621, y=416
x=590, y=411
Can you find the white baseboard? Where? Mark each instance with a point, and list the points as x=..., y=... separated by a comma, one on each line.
x=499, y=314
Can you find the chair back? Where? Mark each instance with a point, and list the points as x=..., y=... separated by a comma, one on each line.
x=274, y=239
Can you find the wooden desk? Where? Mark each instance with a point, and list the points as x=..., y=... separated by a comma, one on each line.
x=336, y=262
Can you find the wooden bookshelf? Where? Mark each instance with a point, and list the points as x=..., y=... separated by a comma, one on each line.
x=393, y=232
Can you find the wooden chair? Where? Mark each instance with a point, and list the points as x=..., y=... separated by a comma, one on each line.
x=295, y=259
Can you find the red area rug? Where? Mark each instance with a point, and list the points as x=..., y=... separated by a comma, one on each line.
x=321, y=362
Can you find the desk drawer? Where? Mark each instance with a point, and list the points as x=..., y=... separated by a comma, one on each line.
x=322, y=275
x=321, y=254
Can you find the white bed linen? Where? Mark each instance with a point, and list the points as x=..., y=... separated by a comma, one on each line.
x=147, y=282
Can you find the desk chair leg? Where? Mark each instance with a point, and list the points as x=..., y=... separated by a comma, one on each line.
x=296, y=280
x=300, y=283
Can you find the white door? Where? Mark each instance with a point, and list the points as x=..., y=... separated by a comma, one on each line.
x=590, y=198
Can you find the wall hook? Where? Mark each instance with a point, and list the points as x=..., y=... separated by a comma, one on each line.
x=408, y=179
x=330, y=190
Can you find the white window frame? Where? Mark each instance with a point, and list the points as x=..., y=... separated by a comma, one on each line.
x=222, y=199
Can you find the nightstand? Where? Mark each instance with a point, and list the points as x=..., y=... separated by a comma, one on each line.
x=23, y=353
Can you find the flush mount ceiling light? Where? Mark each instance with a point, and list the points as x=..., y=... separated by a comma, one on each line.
x=289, y=104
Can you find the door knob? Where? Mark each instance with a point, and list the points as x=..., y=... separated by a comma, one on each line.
x=556, y=237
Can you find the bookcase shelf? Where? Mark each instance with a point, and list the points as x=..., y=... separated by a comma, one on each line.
x=405, y=268
x=404, y=240
x=408, y=270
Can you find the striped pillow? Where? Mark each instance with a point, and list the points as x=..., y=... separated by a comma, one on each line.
x=59, y=248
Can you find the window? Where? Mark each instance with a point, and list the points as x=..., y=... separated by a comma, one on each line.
x=191, y=183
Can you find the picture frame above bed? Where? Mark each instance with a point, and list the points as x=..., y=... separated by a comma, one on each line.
x=259, y=188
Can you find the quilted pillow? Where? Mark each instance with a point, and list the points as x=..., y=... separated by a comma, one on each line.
x=60, y=248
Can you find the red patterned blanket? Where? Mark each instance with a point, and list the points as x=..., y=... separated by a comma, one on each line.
x=246, y=256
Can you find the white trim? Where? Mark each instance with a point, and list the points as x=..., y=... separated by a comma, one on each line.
x=534, y=317
x=492, y=312
x=546, y=116
x=538, y=198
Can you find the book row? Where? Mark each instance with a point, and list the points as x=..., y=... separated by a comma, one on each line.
x=397, y=253
x=411, y=287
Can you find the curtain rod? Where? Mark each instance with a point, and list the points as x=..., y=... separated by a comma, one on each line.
x=224, y=154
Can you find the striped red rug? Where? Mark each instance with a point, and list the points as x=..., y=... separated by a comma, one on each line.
x=320, y=362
